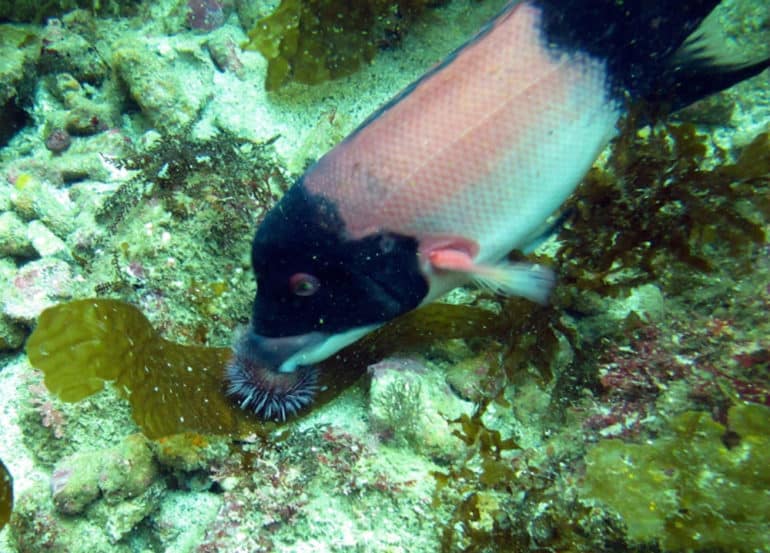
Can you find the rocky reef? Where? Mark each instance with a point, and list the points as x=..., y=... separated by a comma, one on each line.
x=139, y=148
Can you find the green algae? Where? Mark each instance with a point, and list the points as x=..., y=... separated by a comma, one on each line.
x=175, y=388
x=312, y=41
x=700, y=485
x=6, y=495
x=399, y=408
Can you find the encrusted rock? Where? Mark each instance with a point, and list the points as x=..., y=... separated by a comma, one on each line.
x=11, y=335
x=65, y=51
x=45, y=242
x=13, y=236
x=156, y=80
x=120, y=519
x=476, y=377
x=189, y=451
x=37, y=285
x=114, y=475
x=33, y=198
x=409, y=401
x=19, y=48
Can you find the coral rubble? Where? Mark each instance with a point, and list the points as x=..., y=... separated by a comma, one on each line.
x=138, y=150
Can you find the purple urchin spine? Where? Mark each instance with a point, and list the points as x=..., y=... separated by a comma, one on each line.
x=269, y=394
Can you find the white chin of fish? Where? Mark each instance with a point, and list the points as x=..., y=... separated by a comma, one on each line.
x=331, y=345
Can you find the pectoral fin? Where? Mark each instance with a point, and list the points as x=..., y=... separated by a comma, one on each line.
x=527, y=280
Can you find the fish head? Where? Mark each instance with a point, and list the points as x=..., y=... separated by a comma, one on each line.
x=318, y=289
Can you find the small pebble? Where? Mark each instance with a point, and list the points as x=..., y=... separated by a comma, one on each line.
x=58, y=141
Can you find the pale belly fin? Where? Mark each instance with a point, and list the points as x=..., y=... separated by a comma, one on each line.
x=527, y=280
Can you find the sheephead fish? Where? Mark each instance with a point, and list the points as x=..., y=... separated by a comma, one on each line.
x=435, y=188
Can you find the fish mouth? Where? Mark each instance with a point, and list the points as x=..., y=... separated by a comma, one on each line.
x=278, y=354
x=255, y=383
x=286, y=354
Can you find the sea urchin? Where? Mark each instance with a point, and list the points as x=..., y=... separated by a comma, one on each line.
x=270, y=394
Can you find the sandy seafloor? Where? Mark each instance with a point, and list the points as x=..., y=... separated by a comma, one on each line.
x=364, y=472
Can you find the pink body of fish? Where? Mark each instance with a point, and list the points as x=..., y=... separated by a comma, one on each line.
x=477, y=155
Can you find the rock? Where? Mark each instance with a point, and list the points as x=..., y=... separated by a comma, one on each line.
x=476, y=377
x=167, y=86
x=175, y=512
x=120, y=519
x=127, y=470
x=36, y=526
x=5, y=198
x=37, y=285
x=224, y=53
x=19, y=49
x=646, y=301
x=413, y=403
x=65, y=51
x=11, y=335
x=189, y=451
x=58, y=140
x=33, y=198
x=13, y=236
x=75, y=483
x=113, y=475
x=45, y=242
x=87, y=114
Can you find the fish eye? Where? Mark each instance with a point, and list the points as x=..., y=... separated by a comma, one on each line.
x=304, y=284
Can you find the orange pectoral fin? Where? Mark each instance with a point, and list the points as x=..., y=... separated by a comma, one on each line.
x=451, y=260
x=512, y=279
x=450, y=253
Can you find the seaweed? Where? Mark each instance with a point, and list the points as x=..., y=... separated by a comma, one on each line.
x=480, y=524
x=234, y=177
x=700, y=485
x=175, y=388
x=478, y=520
x=530, y=338
x=500, y=498
x=198, y=201
x=489, y=445
x=312, y=41
x=656, y=205
x=6, y=495
x=82, y=344
x=399, y=408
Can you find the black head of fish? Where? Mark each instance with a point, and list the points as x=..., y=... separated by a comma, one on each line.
x=312, y=279
x=317, y=291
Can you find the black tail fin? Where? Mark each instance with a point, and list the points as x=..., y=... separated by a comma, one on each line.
x=696, y=71
x=654, y=49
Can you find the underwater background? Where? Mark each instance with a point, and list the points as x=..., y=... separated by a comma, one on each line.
x=141, y=142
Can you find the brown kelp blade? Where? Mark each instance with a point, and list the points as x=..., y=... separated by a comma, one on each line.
x=174, y=388
x=6, y=495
